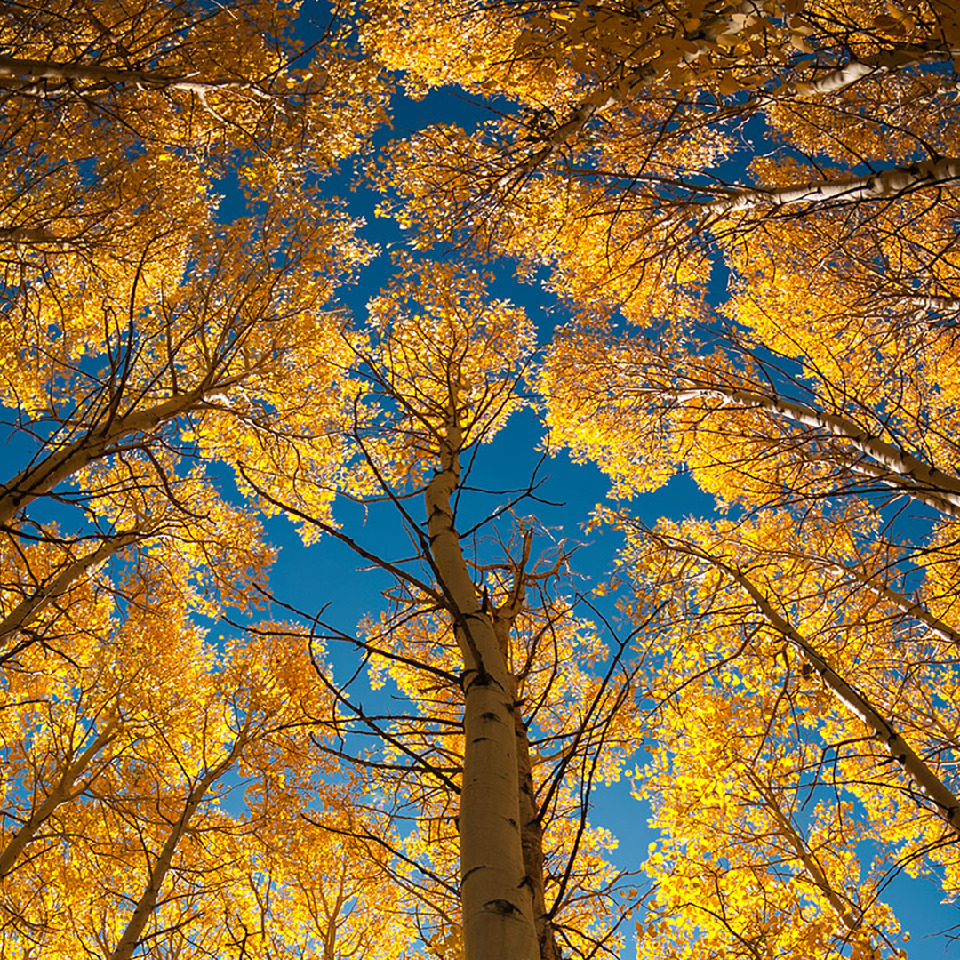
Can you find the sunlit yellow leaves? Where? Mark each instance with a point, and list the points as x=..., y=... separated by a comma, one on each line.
x=151, y=777
x=444, y=360
x=745, y=722
x=141, y=332
x=114, y=756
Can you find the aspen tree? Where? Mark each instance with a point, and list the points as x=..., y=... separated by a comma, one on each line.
x=503, y=851
x=139, y=330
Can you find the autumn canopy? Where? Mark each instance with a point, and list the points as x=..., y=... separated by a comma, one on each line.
x=236, y=303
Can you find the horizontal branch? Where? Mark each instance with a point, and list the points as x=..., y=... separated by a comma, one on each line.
x=925, y=482
x=98, y=441
x=874, y=186
x=853, y=71
x=35, y=71
x=26, y=235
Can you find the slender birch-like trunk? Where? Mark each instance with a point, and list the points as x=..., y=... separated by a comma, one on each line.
x=37, y=71
x=853, y=71
x=49, y=590
x=147, y=904
x=496, y=892
x=730, y=21
x=531, y=839
x=944, y=801
x=61, y=792
x=912, y=608
x=531, y=829
x=98, y=441
x=891, y=464
x=874, y=186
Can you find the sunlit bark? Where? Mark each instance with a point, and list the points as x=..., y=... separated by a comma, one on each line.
x=496, y=893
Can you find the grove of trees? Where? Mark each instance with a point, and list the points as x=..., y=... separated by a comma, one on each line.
x=745, y=217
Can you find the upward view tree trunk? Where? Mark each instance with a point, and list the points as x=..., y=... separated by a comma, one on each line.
x=879, y=459
x=787, y=829
x=147, y=904
x=496, y=892
x=531, y=839
x=531, y=828
x=943, y=800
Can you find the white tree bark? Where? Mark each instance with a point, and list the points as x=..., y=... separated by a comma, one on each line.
x=943, y=800
x=98, y=441
x=891, y=464
x=847, y=74
x=37, y=71
x=911, y=608
x=531, y=829
x=875, y=186
x=496, y=892
x=729, y=22
x=531, y=839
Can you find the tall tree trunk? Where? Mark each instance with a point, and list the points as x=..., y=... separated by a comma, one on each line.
x=531, y=829
x=147, y=904
x=944, y=802
x=495, y=892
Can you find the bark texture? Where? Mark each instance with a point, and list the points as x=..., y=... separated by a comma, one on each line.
x=875, y=186
x=496, y=892
x=531, y=839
